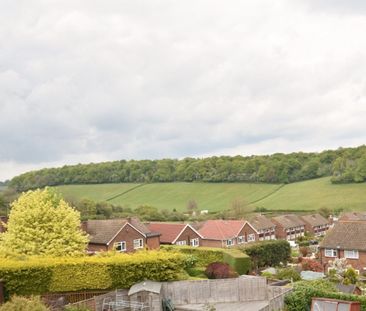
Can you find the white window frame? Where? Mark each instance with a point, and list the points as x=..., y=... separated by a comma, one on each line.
x=240, y=239
x=181, y=243
x=230, y=242
x=121, y=244
x=351, y=254
x=251, y=237
x=138, y=243
x=330, y=252
x=195, y=242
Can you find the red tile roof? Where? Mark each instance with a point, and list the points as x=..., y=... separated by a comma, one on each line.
x=169, y=232
x=221, y=229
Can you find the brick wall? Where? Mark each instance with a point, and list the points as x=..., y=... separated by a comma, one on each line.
x=187, y=235
x=358, y=264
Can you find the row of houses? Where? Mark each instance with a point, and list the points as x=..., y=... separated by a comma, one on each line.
x=128, y=235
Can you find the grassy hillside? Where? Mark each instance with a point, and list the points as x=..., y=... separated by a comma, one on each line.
x=307, y=195
x=213, y=197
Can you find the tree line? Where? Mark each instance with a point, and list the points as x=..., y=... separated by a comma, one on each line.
x=344, y=165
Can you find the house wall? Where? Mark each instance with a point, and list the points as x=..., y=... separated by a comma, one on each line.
x=247, y=230
x=187, y=235
x=128, y=234
x=280, y=231
x=358, y=264
x=153, y=242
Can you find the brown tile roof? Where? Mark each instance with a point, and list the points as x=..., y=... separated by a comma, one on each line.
x=347, y=235
x=289, y=221
x=221, y=229
x=260, y=222
x=353, y=216
x=103, y=231
x=315, y=220
x=169, y=232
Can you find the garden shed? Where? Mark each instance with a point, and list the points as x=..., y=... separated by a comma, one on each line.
x=147, y=292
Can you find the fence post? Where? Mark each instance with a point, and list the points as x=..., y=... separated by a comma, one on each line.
x=2, y=298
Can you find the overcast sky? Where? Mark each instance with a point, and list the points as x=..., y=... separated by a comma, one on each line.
x=94, y=80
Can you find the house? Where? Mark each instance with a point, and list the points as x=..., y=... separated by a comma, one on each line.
x=288, y=227
x=265, y=227
x=360, y=216
x=226, y=233
x=315, y=224
x=347, y=239
x=123, y=235
x=3, y=220
x=178, y=234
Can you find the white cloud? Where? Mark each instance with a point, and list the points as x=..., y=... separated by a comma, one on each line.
x=89, y=81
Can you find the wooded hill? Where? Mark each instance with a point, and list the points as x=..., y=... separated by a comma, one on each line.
x=345, y=165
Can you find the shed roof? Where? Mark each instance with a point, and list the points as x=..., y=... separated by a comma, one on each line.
x=145, y=286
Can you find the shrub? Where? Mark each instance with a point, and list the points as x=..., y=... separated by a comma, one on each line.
x=288, y=274
x=268, y=253
x=304, y=251
x=311, y=265
x=239, y=261
x=39, y=275
x=300, y=298
x=220, y=270
x=24, y=304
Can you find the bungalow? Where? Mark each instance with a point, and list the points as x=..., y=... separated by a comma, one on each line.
x=226, y=233
x=346, y=239
x=178, y=234
x=123, y=235
x=289, y=227
x=3, y=220
x=265, y=227
x=315, y=224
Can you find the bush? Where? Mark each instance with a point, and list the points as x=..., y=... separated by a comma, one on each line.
x=288, y=274
x=269, y=253
x=300, y=298
x=220, y=270
x=239, y=261
x=39, y=275
x=24, y=304
x=311, y=265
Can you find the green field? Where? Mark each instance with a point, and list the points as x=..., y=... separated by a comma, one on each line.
x=307, y=195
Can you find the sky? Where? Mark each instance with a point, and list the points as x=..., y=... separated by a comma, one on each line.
x=88, y=80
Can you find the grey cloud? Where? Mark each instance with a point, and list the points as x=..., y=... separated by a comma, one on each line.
x=86, y=81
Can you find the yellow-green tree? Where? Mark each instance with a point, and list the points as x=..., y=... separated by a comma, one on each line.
x=41, y=223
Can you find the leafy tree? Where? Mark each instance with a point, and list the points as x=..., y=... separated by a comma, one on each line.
x=192, y=206
x=40, y=223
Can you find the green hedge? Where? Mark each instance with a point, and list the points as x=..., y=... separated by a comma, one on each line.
x=300, y=298
x=41, y=275
x=268, y=253
x=239, y=261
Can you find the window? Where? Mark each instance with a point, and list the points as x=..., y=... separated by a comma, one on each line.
x=331, y=252
x=240, y=239
x=195, y=242
x=251, y=237
x=229, y=242
x=138, y=243
x=181, y=243
x=120, y=246
x=352, y=254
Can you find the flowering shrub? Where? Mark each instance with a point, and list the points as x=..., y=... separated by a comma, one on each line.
x=311, y=265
